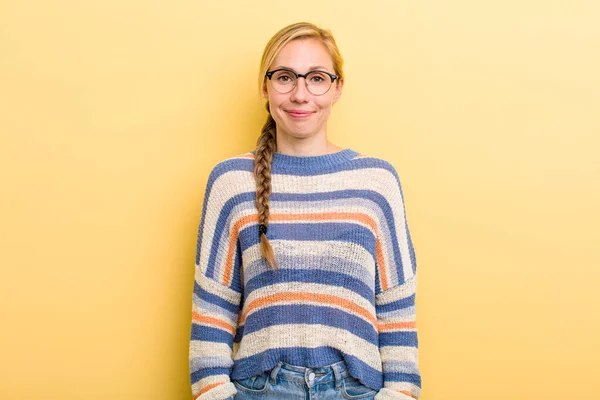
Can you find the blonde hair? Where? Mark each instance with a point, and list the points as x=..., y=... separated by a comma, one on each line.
x=266, y=145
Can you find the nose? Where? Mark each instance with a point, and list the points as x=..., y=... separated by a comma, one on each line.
x=300, y=93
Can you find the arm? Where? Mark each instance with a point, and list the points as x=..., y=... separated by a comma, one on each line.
x=215, y=300
x=395, y=301
x=398, y=342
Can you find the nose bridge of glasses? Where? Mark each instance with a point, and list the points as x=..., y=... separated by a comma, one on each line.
x=298, y=76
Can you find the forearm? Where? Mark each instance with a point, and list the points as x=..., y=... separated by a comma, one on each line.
x=398, y=342
x=214, y=322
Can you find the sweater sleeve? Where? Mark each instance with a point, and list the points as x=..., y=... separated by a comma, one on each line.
x=216, y=297
x=395, y=300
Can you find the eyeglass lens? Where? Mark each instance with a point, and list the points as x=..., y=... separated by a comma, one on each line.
x=285, y=81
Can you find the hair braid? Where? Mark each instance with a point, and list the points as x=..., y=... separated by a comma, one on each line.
x=266, y=146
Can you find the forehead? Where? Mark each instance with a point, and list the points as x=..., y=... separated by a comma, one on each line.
x=302, y=55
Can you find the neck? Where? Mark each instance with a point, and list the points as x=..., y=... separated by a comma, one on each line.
x=315, y=145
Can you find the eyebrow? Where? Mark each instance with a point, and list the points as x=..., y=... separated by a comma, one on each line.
x=310, y=68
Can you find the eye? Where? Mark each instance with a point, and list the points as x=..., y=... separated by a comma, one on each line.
x=284, y=77
x=318, y=77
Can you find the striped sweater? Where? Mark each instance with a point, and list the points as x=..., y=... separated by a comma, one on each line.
x=344, y=288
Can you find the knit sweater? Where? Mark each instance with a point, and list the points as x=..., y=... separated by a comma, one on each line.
x=345, y=284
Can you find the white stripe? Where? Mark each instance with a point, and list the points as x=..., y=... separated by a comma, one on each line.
x=201, y=348
x=309, y=336
x=218, y=289
x=398, y=293
x=399, y=353
x=220, y=392
x=389, y=391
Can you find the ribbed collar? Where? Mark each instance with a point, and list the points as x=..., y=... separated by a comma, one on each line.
x=288, y=163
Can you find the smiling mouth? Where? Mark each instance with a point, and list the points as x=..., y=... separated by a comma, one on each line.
x=299, y=114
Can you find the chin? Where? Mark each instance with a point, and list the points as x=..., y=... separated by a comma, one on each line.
x=302, y=134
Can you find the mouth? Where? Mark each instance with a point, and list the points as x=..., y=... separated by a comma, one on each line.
x=298, y=113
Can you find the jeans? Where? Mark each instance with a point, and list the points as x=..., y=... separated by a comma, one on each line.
x=287, y=381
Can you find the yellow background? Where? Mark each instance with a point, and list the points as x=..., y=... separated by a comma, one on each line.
x=112, y=114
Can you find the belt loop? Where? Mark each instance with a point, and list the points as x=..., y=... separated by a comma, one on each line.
x=274, y=373
x=338, y=375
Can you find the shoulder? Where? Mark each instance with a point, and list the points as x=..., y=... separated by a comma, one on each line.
x=230, y=176
x=376, y=167
x=239, y=163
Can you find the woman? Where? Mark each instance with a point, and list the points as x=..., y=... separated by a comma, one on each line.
x=304, y=257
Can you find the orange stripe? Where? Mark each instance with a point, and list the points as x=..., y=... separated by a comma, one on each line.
x=213, y=321
x=406, y=392
x=233, y=243
x=397, y=326
x=382, y=267
x=304, y=296
x=208, y=387
x=307, y=217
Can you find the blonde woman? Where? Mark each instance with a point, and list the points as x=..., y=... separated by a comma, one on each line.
x=304, y=256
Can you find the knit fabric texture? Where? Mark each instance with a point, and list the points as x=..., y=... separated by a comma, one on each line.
x=345, y=284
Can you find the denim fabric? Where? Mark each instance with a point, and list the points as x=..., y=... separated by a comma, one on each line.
x=287, y=381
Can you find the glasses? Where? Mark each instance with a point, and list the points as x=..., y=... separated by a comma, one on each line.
x=284, y=80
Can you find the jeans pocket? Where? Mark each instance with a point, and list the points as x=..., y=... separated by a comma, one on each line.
x=353, y=389
x=254, y=384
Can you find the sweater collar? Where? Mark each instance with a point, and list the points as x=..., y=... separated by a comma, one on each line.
x=288, y=163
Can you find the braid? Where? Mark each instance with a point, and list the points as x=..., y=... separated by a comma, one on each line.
x=266, y=146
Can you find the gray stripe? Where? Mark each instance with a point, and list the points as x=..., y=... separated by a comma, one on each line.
x=402, y=312
x=214, y=309
x=323, y=263
x=407, y=367
x=209, y=362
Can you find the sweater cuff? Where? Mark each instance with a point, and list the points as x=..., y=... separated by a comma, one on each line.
x=389, y=394
x=221, y=392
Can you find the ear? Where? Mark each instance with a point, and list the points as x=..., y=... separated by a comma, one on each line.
x=338, y=90
x=265, y=93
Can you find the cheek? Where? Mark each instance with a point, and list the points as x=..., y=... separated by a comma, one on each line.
x=326, y=105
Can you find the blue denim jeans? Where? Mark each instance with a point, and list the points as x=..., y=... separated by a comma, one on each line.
x=287, y=381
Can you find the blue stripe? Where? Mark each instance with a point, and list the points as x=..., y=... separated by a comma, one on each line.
x=309, y=314
x=397, y=305
x=204, y=372
x=247, y=165
x=402, y=377
x=239, y=334
x=214, y=299
x=401, y=338
x=310, y=276
x=208, y=334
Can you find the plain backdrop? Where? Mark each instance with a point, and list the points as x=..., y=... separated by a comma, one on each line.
x=112, y=114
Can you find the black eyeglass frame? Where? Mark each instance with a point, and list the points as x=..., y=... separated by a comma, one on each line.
x=333, y=77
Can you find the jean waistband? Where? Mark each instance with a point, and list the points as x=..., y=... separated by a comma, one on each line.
x=311, y=376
